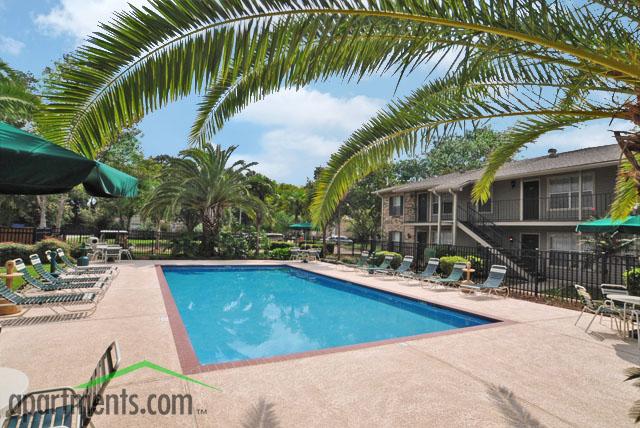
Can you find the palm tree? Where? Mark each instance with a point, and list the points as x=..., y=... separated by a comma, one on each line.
x=260, y=187
x=205, y=181
x=17, y=102
x=549, y=65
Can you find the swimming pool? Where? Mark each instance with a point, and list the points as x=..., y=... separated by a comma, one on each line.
x=239, y=313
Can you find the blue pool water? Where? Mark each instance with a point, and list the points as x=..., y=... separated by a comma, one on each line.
x=240, y=313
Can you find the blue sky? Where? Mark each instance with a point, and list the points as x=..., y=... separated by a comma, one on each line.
x=288, y=133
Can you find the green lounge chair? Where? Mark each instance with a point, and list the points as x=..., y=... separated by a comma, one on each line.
x=78, y=271
x=78, y=406
x=383, y=267
x=493, y=284
x=53, y=286
x=404, y=267
x=49, y=301
x=429, y=271
x=361, y=262
x=48, y=277
x=454, y=277
x=111, y=270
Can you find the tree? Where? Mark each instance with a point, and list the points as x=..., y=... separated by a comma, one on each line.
x=551, y=64
x=18, y=101
x=205, y=181
x=261, y=187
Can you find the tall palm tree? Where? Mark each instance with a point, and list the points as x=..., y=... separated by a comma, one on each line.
x=17, y=102
x=549, y=64
x=203, y=180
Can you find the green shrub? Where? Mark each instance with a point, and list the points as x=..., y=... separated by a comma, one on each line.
x=232, y=246
x=447, y=262
x=184, y=246
x=380, y=255
x=12, y=250
x=632, y=280
x=279, y=244
x=280, y=254
x=50, y=244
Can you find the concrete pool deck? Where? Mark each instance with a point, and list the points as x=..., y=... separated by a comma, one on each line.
x=537, y=370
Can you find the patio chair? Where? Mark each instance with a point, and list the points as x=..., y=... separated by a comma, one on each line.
x=596, y=307
x=493, y=284
x=49, y=301
x=613, y=289
x=112, y=270
x=78, y=406
x=296, y=253
x=404, y=267
x=428, y=272
x=362, y=261
x=67, y=272
x=57, y=285
x=454, y=277
x=48, y=277
x=383, y=267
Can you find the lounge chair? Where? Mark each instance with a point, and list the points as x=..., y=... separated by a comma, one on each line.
x=58, y=285
x=596, y=307
x=361, y=262
x=111, y=270
x=79, y=271
x=78, y=406
x=404, y=267
x=428, y=273
x=493, y=284
x=454, y=277
x=383, y=267
x=48, y=277
x=49, y=301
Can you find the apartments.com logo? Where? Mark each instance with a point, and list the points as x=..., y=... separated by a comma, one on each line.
x=123, y=403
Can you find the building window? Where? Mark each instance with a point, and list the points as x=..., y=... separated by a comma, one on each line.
x=446, y=237
x=395, y=205
x=434, y=207
x=447, y=207
x=562, y=249
x=564, y=192
x=395, y=237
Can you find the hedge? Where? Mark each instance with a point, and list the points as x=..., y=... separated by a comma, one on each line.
x=279, y=244
x=280, y=254
x=12, y=250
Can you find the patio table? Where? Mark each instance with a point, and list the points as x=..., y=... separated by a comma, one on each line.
x=626, y=300
x=14, y=382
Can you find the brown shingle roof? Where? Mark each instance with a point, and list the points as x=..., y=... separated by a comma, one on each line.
x=575, y=159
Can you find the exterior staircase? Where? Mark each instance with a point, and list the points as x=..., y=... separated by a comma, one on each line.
x=489, y=235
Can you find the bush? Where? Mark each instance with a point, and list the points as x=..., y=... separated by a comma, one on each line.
x=185, y=246
x=279, y=244
x=50, y=244
x=379, y=256
x=447, y=262
x=280, y=254
x=232, y=246
x=12, y=250
x=632, y=280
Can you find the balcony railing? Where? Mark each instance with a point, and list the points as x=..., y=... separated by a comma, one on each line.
x=564, y=207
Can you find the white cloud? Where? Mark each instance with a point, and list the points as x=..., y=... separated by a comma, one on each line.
x=10, y=46
x=79, y=18
x=303, y=128
x=593, y=134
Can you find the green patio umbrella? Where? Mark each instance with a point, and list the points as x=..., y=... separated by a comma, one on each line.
x=31, y=165
x=301, y=226
x=630, y=225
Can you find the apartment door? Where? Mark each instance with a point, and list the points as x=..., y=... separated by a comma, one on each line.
x=421, y=239
x=531, y=200
x=529, y=244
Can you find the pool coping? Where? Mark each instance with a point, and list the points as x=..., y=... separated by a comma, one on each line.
x=191, y=365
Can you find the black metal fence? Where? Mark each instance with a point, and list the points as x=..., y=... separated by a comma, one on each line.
x=530, y=272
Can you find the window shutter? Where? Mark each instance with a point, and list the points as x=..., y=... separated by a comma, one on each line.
x=401, y=205
x=391, y=205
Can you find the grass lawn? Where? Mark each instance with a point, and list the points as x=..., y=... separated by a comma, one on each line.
x=19, y=282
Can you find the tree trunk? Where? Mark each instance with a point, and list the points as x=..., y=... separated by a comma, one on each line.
x=211, y=229
x=42, y=206
x=258, y=224
x=324, y=240
x=60, y=212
